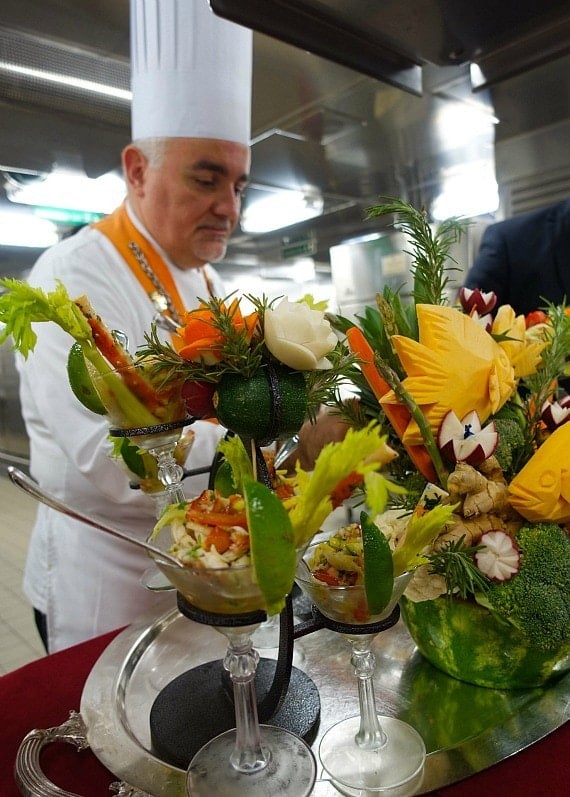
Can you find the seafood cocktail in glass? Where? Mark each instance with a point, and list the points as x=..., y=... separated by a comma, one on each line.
x=221, y=584
x=366, y=753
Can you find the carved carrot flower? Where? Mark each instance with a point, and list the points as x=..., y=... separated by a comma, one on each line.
x=204, y=336
x=455, y=365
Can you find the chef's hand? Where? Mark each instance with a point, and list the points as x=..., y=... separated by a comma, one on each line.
x=329, y=427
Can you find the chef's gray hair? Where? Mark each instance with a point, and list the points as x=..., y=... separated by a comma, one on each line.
x=153, y=149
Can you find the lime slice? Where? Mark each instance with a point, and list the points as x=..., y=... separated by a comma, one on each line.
x=272, y=547
x=80, y=381
x=378, y=566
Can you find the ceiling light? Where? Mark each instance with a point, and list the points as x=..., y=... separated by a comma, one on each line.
x=70, y=190
x=280, y=208
x=467, y=191
x=67, y=80
x=23, y=228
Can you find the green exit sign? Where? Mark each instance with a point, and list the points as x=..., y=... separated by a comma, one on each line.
x=299, y=246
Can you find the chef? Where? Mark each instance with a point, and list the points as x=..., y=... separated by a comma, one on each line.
x=185, y=172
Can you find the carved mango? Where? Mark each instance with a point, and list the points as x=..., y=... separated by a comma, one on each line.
x=456, y=365
x=541, y=490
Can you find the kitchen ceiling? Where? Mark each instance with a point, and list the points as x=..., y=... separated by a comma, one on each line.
x=347, y=130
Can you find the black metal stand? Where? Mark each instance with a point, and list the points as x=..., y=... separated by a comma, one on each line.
x=198, y=705
x=319, y=621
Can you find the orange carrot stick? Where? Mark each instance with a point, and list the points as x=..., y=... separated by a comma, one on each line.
x=120, y=359
x=397, y=414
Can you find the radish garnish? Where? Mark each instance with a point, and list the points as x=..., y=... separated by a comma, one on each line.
x=477, y=300
x=464, y=440
x=498, y=557
x=555, y=413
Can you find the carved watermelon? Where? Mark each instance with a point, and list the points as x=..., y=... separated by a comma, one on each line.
x=468, y=643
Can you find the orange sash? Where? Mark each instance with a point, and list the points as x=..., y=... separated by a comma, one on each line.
x=125, y=237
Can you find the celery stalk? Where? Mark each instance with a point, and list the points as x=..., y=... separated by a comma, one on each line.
x=114, y=393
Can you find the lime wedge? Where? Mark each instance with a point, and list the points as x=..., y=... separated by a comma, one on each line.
x=223, y=481
x=132, y=458
x=272, y=546
x=80, y=381
x=378, y=566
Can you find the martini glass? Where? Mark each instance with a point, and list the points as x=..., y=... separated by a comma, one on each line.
x=367, y=753
x=152, y=419
x=251, y=759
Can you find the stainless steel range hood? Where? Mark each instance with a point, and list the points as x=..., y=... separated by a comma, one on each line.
x=391, y=40
x=354, y=98
x=349, y=100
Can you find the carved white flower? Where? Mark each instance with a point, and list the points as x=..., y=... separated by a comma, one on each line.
x=299, y=336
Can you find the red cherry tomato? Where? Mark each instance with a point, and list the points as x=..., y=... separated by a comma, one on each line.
x=535, y=317
x=198, y=398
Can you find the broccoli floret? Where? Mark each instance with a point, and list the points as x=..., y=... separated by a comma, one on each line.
x=537, y=599
x=545, y=551
x=511, y=445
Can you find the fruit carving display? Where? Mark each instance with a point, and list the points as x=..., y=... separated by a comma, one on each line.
x=469, y=396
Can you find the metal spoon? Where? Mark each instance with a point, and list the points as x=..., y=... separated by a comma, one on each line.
x=165, y=322
x=291, y=445
x=32, y=488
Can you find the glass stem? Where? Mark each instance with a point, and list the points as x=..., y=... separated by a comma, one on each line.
x=241, y=662
x=170, y=473
x=370, y=735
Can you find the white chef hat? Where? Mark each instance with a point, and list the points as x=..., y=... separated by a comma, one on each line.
x=190, y=72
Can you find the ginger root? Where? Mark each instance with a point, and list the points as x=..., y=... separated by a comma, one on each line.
x=472, y=529
x=479, y=491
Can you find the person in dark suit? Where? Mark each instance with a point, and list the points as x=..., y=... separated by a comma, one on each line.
x=525, y=260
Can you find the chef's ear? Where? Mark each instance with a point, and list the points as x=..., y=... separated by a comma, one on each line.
x=135, y=165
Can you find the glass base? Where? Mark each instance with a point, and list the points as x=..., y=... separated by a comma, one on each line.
x=395, y=769
x=291, y=771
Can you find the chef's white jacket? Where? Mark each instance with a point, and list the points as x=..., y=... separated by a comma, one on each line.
x=86, y=582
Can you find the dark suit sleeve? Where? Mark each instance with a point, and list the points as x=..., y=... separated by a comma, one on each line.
x=491, y=269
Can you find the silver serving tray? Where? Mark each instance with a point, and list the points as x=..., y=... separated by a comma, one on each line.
x=466, y=728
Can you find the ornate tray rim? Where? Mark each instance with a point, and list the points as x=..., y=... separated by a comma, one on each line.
x=117, y=747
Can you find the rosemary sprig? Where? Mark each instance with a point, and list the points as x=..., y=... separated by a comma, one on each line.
x=430, y=250
x=554, y=358
x=455, y=563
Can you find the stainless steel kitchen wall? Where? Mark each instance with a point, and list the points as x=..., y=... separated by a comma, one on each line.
x=14, y=447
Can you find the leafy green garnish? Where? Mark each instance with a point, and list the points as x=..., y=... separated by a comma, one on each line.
x=377, y=489
x=235, y=454
x=421, y=532
x=334, y=463
x=22, y=305
x=430, y=250
x=455, y=563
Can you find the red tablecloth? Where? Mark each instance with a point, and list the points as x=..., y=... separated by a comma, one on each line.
x=41, y=695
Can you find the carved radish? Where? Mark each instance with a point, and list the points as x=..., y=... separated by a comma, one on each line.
x=465, y=441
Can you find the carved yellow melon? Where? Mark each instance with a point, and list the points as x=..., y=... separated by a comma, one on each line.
x=541, y=490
